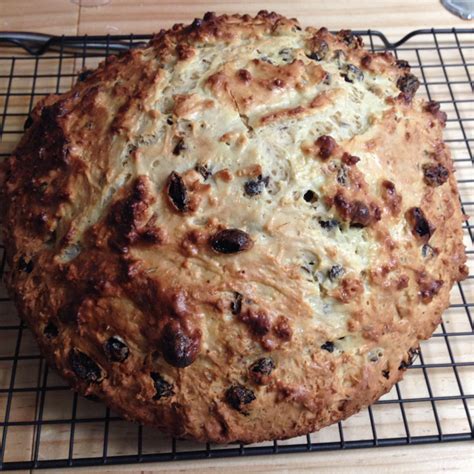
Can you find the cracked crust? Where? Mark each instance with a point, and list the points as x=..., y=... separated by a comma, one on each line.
x=239, y=232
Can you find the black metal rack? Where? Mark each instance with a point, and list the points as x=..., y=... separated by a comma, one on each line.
x=36, y=406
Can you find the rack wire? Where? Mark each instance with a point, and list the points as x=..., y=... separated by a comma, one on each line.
x=44, y=424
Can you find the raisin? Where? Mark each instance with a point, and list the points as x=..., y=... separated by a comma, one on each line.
x=356, y=212
x=350, y=38
x=420, y=226
x=116, y=349
x=196, y=24
x=84, y=367
x=366, y=61
x=179, y=147
x=342, y=175
x=236, y=305
x=28, y=122
x=68, y=313
x=169, y=121
x=253, y=187
x=208, y=16
x=278, y=83
x=326, y=146
x=25, y=265
x=349, y=159
x=51, y=330
x=177, y=192
x=257, y=321
x=162, y=387
x=402, y=64
x=432, y=107
x=261, y=370
x=320, y=52
x=231, y=241
x=244, y=75
x=360, y=215
x=266, y=59
x=391, y=197
x=408, y=84
x=435, y=175
x=352, y=73
x=328, y=346
x=310, y=196
x=428, y=251
x=412, y=354
x=339, y=57
x=151, y=235
x=389, y=188
x=428, y=288
x=238, y=395
x=374, y=355
x=179, y=349
x=329, y=224
x=82, y=76
x=265, y=366
x=286, y=55
x=204, y=171
x=336, y=272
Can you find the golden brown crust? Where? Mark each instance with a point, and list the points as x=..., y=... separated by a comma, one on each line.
x=241, y=220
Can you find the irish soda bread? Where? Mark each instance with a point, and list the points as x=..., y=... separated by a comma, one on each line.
x=238, y=232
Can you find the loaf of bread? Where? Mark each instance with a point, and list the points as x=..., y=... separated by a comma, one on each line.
x=238, y=232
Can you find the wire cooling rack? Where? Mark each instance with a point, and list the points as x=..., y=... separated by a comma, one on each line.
x=44, y=424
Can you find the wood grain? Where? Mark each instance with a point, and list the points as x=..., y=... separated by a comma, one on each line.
x=423, y=459
x=394, y=17
x=57, y=17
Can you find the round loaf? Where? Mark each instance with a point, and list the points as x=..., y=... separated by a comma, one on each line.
x=238, y=232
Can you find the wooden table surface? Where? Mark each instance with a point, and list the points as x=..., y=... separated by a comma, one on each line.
x=395, y=18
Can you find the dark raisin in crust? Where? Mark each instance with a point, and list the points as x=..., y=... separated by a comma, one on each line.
x=229, y=241
x=420, y=226
x=328, y=346
x=412, y=355
x=335, y=272
x=204, y=171
x=51, y=330
x=435, y=175
x=253, y=187
x=116, y=349
x=352, y=74
x=25, y=265
x=408, y=84
x=237, y=396
x=179, y=147
x=327, y=145
x=28, y=123
x=236, y=304
x=179, y=349
x=261, y=370
x=329, y=224
x=82, y=76
x=84, y=367
x=177, y=192
x=320, y=52
x=162, y=387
